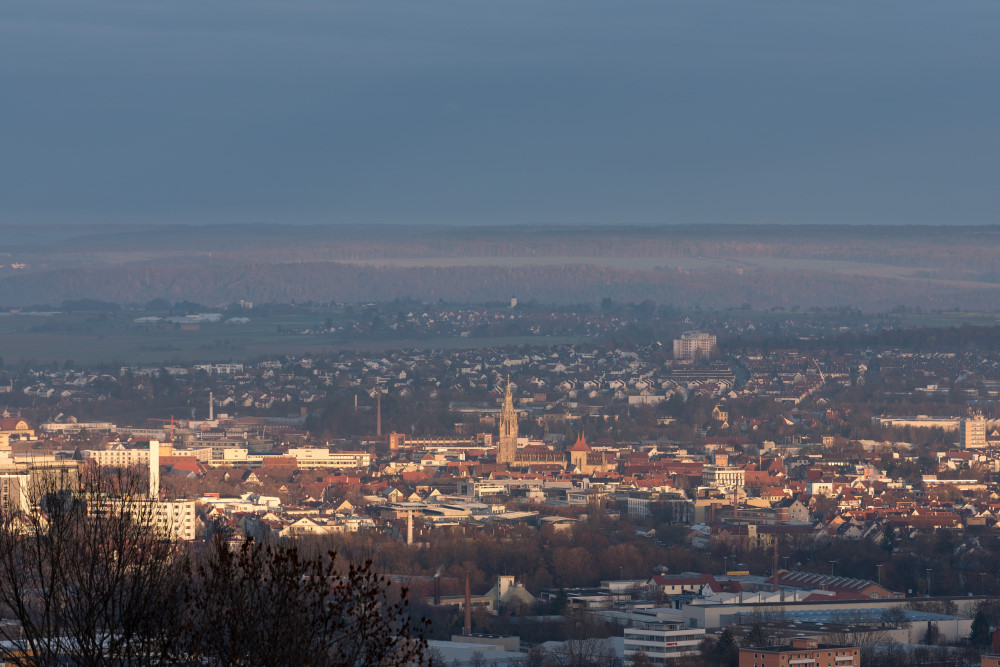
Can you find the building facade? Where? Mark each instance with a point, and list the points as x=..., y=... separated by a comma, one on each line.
x=804, y=652
x=661, y=642
x=972, y=433
x=694, y=345
x=14, y=492
x=322, y=457
x=723, y=477
x=176, y=519
x=118, y=457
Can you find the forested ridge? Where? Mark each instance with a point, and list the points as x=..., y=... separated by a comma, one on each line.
x=874, y=269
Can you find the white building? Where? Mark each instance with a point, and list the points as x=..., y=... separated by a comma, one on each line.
x=76, y=427
x=661, y=641
x=171, y=519
x=946, y=424
x=972, y=433
x=118, y=456
x=321, y=457
x=693, y=345
x=723, y=477
x=14, y=492
x=176, y=518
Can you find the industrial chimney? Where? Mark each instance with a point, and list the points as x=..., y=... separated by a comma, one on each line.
x=467, y=630
x=154, y=469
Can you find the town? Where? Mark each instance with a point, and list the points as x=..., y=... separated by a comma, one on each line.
x=648, y=503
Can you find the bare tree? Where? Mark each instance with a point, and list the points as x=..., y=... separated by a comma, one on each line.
x=87, y=574
x=90, y=576
x=640, y=659
x=536, y=657
x=266, y=604
x=589, y=652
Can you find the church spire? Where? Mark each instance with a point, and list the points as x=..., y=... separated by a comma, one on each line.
x=507, y=444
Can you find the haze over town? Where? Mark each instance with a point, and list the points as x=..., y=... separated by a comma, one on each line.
x=549, y=334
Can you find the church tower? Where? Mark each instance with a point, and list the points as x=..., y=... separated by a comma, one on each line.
x=507, y=445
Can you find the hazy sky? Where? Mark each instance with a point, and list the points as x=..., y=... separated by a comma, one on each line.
x=506, y=111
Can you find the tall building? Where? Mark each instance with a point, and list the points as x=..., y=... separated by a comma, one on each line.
x=972, y=433
x=693, y=345
x=507, y=444
x=14, y=492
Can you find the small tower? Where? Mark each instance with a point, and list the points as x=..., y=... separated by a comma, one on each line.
x=578, y=454
x=507, y=444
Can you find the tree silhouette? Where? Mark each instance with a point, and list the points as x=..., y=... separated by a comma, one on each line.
x=980, y=635
x=90, y=576
x=267, y=604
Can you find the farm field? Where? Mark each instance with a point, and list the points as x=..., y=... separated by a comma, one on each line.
x=90, y=338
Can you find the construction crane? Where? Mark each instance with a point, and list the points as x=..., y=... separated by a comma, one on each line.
x=170, y=421
x=822, y=378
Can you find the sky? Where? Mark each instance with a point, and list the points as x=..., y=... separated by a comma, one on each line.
x=473, y=112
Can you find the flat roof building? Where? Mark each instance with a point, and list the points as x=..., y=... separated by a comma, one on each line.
x=801, y=652
x=661, y=642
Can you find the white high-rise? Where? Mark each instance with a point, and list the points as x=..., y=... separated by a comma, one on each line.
x=693, y=345
x=972, y=433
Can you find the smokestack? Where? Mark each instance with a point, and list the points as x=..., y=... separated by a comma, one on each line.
x=775, y=566
x=467, y=630
x=378, y=417
x=437, y=587
x=211, y=408
x=409, y=527
x=154, y=469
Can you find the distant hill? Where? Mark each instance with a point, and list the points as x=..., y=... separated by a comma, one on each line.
x=872, y=268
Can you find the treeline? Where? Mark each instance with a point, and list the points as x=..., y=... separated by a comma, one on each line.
x=959, y=339
x=953, y=248
x=571, y=283
x=594, y=550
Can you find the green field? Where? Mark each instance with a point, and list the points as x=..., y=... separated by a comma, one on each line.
x=113, y=337
x=91, y=338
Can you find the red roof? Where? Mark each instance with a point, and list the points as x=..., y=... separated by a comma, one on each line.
x=837, y=595
x=701, y=580
x=580, y=445
x=186, y=463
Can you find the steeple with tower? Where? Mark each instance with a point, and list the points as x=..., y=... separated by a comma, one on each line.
x=507, y=444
